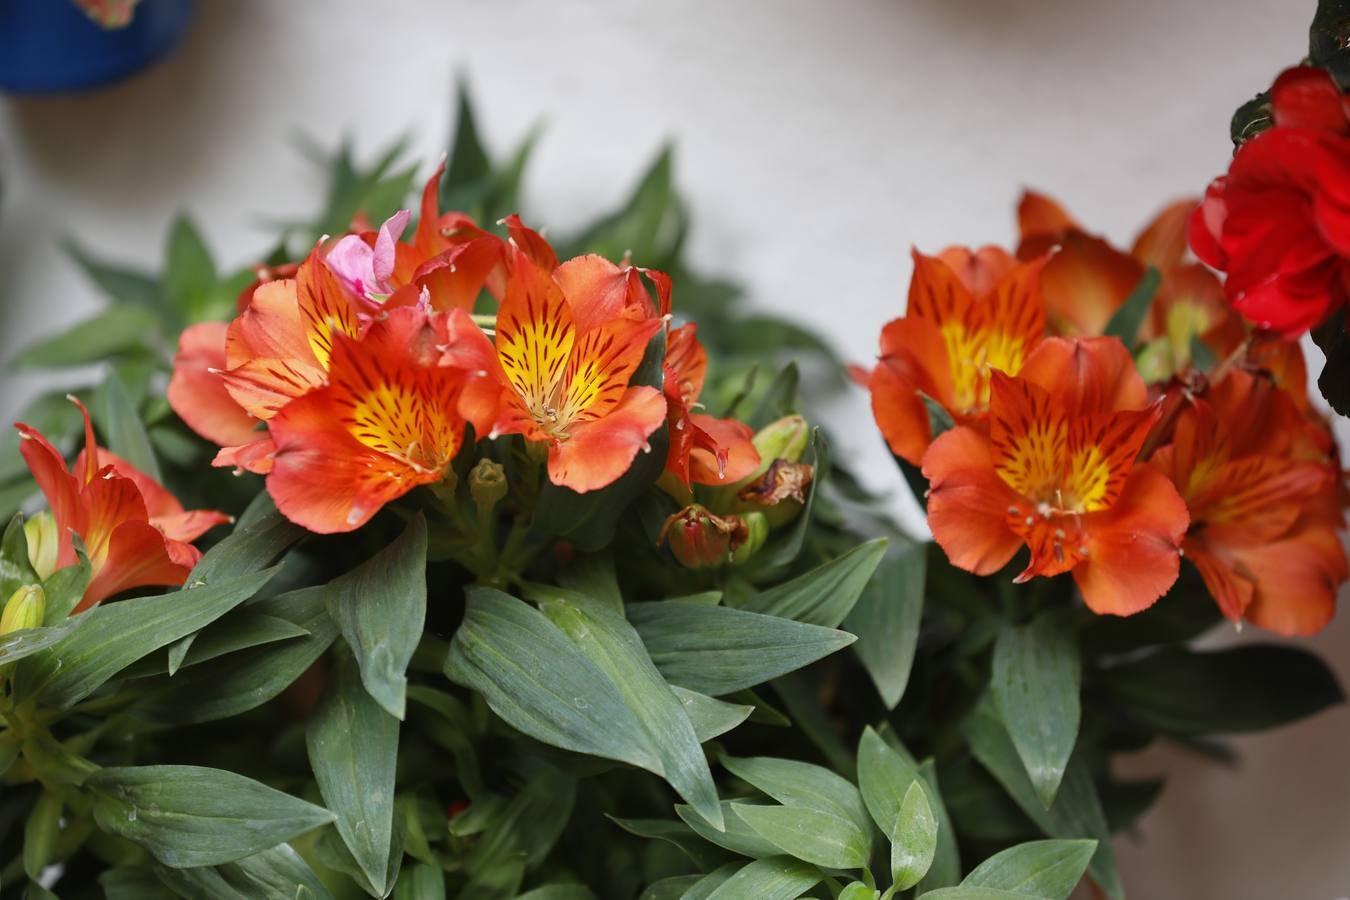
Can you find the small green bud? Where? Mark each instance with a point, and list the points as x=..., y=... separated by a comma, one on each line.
x=756, y=533
x=43, y=543
x=785, y=439
x=24, y=609
x=487, y=484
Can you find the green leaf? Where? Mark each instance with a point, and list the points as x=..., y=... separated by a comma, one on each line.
x=858, y=891
x=946, y=867
x=804, y=786
x=115, y=635
x=330, y=851
x=1076, y=812
x=717, y=650
x=774, y=878
x=808, y=834
x=711, y=718
x=1035, y=684
x=650, y=224
x=15, y=569
x=189, y=273
x=571, y=891
x=738, y=836
x=703, y=888
x=886, y=620
x=125, y=433
x=534, y=677
x=66, y=586
x=189, y=816
x=118, y=284
x=353, y=751
x=939, y=419
x=1049, y=870
x=961, y=892
x=421, y=882
x=118, y=331
x=1241, y=689
x=245, y=680
x=674, y=887
x=826, y=594
x=914, y=840
x=607, y=639
x=468, y=165
x=259, y=538
x=884, y=775
x=801, y=696
x=705, y=855
x=1126, y=320
x=380, y=607
x=25, y=642
x=41, y=831
x=274, y=874
x=240, y=630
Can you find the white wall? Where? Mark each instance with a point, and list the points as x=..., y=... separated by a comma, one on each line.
x=816, y=142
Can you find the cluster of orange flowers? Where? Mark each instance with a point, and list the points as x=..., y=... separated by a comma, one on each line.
x=1106, y=461
x=367, y=365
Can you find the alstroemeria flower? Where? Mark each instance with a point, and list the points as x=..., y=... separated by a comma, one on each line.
x=703, y=449
x=385, y=422
x=559, y=370
x=366, y=269
x=1057, y=473
x=135, y=532
x=197, y=392
x=1263, y=504
x=970, y=314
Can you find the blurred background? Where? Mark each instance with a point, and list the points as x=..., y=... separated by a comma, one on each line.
x=815, y=143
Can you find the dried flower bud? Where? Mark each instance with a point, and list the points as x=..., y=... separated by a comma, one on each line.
x=700, y=539
x=756, y=531
x=487, y=484
x=784, y=439
x=43, y=543
x=779, y=493
x=25, y=609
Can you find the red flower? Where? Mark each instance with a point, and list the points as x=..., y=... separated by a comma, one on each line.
x=135, y=532
x=1279, y=222
x=1057, y=473
x=703, y=449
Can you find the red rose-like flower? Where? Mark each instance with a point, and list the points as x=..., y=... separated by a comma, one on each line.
x=1279, y=222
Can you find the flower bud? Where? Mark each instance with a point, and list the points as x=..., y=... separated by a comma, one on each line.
x=779, y=493
x=785, y=439
x=487, y=484
x=25, y=609
x=43, y=543
x=699, y=539
x=756, y=529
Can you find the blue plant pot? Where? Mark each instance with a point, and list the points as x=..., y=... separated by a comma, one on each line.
x=51, y=46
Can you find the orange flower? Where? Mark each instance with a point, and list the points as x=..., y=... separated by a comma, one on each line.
x=135, y=532
x=568, y=341
x=197, y=392
x=1057, y=473
x=703, y=449
x=386, y=422
x=970, y=314
x=1260, y=481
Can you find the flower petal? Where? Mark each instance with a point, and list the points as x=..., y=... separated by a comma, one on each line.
x=968, y=503
x=197, y=392
x=1087, y=374
x=599, y=451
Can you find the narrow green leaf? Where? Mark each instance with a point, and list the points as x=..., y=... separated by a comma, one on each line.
x=353, y=751
x=946, y=867
x=25, y=642
x=673, y=887
x=605, y=636
x=189, y=816
x=775, y=878
x=15, y=568
x=914, y=840
x=380, y=607
x=117, y=634
x=808, y=834
x=1126, y=320
x=240, y=630
x=711, y=718
x=1076, y=812
x=133, y=883
x=804, y=786
x=1035, y=684
x=884, y=775
x=939, y=420
x=118, y=284
x=826, y=594
x=534, y=677
x=189, y=272
x=886, y=620
x=1249, y=688
x=705, y=855
x=421, y=882
x=858, y=891
x=468, y=164
x=259, y=538
x=1048, y=870
x=125, y=433
x=117, y=331
x=66, y=586
x=962, y=892
x=41, y=831
x=716, y=650
x=738, y=837
x=801, y=698
x=704, y=887
x=570, y=891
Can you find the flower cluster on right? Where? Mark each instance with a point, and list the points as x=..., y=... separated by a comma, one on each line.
x=1114, y=414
